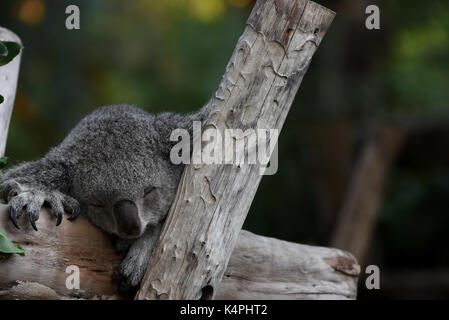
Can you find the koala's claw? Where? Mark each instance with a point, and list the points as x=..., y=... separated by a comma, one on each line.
x=12, y=216
x=32, y=221
x=6, y=193
x=75, y=212
x=10, y=190
x=59, y=219
x=31, y=199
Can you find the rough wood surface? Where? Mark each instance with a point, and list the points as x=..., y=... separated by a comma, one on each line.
x=268, y=268
x=212, y=201
x=259, y=268
x=52, y=249
x=9, y=74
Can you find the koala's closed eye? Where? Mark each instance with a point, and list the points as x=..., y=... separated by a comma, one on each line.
x=148, y=191
x=97, y=206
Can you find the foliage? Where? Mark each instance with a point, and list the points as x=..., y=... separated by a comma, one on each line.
x=3, y=49
x=3, y=162
x=7, y=247
x=8, y=51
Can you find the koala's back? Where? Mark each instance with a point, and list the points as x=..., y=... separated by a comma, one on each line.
x=111, y=133
x=117, y=147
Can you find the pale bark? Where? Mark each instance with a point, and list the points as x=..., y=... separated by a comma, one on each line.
x=256, y=91
x=259, y=268
x=9, y=74
x=268, y=268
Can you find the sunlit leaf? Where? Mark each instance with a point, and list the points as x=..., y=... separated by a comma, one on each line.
x=31, y=12
x=208, y=11
x=6, y=246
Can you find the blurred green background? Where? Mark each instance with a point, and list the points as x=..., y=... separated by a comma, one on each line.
x=170, y=55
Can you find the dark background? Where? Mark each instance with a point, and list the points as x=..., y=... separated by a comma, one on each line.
x=170, y=55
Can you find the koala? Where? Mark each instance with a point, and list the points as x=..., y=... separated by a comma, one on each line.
x=114, y=167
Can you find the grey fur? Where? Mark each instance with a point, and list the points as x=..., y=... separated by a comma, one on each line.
x=116, y=153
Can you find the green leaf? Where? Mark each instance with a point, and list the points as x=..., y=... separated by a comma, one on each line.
x=13, y=50
x=1, y=99
x=3, y=162
x=3, y=49
x=6, y=246
x=4, y=256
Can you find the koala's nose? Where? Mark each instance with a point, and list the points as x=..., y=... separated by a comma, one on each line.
x=127, y=218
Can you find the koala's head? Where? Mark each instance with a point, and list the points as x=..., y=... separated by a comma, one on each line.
x=127, y=195
x=120, y=168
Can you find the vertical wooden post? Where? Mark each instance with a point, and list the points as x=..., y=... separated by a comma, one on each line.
x=9, y=75
x=212, y=201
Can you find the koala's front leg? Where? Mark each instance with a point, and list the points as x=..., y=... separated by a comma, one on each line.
x=133, y=267
x=29, y=186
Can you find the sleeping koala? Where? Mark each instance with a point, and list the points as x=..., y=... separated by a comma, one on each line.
x=115, y=168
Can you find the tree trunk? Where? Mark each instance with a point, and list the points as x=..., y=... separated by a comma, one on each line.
x=9, y=74
x=364, y=196
x=212, y=201
x=259, y=268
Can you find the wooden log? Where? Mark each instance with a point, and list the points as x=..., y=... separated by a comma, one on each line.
x=212, y=201
x=259, y=268
x=268, y=268
x=9, y=75
x=52, y=249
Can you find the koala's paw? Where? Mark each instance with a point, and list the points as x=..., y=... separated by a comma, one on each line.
x=122, y=245
x=131, y=271
x=24, y=198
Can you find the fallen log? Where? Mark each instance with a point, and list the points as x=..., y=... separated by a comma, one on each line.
x=268, y=268
x=259, y=268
